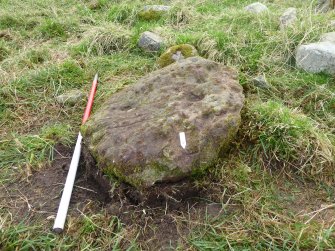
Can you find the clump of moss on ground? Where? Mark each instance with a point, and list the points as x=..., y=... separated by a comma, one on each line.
x=150, y=15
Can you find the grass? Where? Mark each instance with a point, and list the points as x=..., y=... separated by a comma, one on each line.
x=91, y=233
x=291, y=140
x=280, y=168
x=24, y=153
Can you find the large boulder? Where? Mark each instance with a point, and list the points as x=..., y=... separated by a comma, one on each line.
x=317, y=57
x=175, y=122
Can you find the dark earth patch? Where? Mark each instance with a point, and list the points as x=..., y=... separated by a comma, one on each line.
x=37, y=197
x=157, y=214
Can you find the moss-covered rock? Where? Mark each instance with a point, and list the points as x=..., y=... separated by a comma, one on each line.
x=176, y=53
x=153, y=12
x=135, y=136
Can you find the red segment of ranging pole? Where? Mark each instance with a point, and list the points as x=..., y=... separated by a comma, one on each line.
x=68, y=187
x=90, y=99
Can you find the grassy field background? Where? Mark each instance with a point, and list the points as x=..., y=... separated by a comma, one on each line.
x=274, y=188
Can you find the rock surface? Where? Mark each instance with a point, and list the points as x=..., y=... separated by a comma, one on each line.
x=176, y=53
x=324, y=5
x=156, y=8
x=317, y=57
x=288, y=17
x=260, y=82
x=150, y=41
x=328, y=37
x=256, y=8
x=135, y=136
x=153, y=12
x=70, y=98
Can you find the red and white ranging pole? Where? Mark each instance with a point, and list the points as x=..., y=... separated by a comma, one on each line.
x=68, y=187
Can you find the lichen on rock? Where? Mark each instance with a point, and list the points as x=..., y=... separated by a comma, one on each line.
x=135, y=134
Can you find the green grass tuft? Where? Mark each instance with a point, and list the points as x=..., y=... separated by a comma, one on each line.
x=123, y=14
x=52, y=29
x=34, y=149
x=106, y=39
x=292, y=141
x=4, y=51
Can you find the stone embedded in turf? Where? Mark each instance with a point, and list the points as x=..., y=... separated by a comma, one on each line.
x=176, y=53
x=261, y=82
x=324, y=5
x=256, y=8
x=70, y=98
x=153, y=12
x=288, y=18
x=150, y=41
x=135, y=134
x=317, y=57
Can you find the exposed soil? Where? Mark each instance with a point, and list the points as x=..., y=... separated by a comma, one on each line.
x=38, y=196
x=308, y=202
x=153, y=212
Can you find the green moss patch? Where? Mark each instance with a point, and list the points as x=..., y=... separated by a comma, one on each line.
x=186, y=51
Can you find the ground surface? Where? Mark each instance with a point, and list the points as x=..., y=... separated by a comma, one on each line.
x=274, y=189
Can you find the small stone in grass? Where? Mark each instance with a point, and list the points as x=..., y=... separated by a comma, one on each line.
x=153, y=12
x=288, y=17
x=150, y=41
x=260, y=82
x=70, y=98
x=256, y=8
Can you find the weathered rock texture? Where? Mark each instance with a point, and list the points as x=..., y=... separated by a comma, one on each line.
x=177, y=53
x=135, y=134
x=261, y=82
x=256, y=8
x=288, y=17
x=328, y=37
x=325, y=5
x=149, y=41
x=317, y=57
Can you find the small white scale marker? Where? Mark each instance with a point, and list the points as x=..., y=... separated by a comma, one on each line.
x=182, y=138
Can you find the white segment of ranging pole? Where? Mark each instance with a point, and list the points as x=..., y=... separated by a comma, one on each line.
x=68, y=187
x=182, y=138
